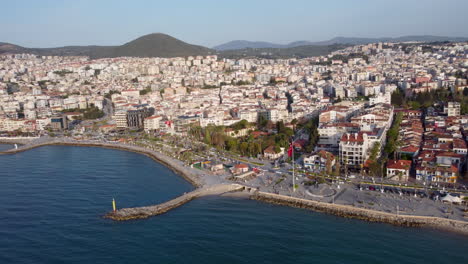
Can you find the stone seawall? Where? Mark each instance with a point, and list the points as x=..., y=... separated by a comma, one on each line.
x=148, y=211
x=365, y=214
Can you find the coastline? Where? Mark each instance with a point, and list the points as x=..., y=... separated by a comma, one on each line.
x=323, y=207
x=158, y=157
x=368, y=215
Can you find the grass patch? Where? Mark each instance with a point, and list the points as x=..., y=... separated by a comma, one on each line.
x=279, y=181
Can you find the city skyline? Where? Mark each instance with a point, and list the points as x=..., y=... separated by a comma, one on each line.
x=53, y=24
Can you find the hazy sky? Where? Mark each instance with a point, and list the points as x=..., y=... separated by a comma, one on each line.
x=51, y=23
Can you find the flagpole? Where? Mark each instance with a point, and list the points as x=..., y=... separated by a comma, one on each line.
x=294, y=183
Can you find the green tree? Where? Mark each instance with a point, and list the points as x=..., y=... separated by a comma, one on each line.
x=465, y=91
x=232, y=144
x=262, y=122
x=397, y=98
x=244, y=146
x=207, y=137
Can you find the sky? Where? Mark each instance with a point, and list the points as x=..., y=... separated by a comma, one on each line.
x=54, y=23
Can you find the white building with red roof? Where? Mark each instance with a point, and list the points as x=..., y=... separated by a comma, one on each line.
x=399, y=169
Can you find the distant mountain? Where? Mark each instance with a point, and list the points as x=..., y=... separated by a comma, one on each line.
x=276, y=53
x=162, y=45
x=361, y=41
x=152, y=45
x=10, y=48
x=243, y=44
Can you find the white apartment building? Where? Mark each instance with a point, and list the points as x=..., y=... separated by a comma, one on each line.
x=354, y=149
x=385, y=98
x=380, y=116
x=120, y=119
x=215, y=120
x=151, y=123
x=452, y=109
x=330, y=135
x=249, y=116
x=276, y=115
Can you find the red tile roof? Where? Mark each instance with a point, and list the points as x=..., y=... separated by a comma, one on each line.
x=399, y=164
x=352, y=137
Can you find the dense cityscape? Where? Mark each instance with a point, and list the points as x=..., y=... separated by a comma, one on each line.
x=242, y=132
x=383, y=117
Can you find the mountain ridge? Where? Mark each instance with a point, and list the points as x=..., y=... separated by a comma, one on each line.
x=163, y=45
x=243, y=44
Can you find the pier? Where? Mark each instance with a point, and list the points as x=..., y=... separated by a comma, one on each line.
x=148, y=211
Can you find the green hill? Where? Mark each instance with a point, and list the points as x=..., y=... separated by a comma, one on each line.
x=152, y=45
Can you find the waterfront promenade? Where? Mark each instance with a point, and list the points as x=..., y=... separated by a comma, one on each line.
x=365, y=214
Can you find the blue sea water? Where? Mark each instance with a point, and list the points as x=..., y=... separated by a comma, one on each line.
x=4, y=147
x=52, y=200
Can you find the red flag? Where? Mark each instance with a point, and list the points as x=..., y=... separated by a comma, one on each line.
x=290, y=150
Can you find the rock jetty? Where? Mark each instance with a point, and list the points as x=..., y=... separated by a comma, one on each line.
x=148, y=211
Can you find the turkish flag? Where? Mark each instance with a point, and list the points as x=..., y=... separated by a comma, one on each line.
x=290, y=150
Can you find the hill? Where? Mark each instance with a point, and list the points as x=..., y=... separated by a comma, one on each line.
x=243, y=44
x=152, y=45
x=277, y=53
x=156, y=45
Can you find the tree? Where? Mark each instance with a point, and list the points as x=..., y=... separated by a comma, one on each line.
x=294, y=123
x=240, y=125
x=217, y=138
x=244, y=146
x=257, y=148
x=336, y=171
x=397, y=98
x=280, y=126
x=262, y=122
x=374, y=168
x=465, y=91
x=232, y=144
x=374, y=152
x=328, y=164
x=145, y=91
x=207, y=137
x=252, y=149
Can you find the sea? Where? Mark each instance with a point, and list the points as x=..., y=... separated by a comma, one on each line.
x=53, y=198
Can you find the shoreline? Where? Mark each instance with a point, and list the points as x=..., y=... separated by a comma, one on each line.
x=162, y=159
x=367, y=215
x=345, y=211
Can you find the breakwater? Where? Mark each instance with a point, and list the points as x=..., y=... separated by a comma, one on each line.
x=364, y=214
x=148, y=211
